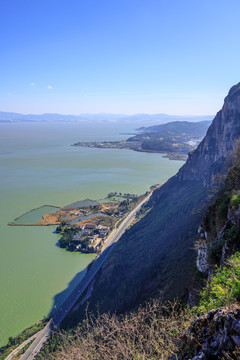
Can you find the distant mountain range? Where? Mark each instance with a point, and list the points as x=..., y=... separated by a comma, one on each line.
x=103, y=117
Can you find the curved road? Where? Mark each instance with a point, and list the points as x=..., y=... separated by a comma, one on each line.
x=20, y=347
x=60, y=314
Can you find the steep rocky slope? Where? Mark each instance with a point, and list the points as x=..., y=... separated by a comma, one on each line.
x=219, y=232
x=210, y=158
x=156, y=256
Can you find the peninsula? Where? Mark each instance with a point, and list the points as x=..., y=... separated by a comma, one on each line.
x=175, y=139
x=85, y=225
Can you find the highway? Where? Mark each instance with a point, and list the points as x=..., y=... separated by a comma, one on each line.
x=60, y=314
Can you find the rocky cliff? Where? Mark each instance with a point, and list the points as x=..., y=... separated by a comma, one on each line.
x=212, y=155
x=219, y=232
x=156, y=256
x=216, y=335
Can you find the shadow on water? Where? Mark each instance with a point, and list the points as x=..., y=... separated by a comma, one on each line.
x=76, y=287
x=58, y=243
x=59, y=298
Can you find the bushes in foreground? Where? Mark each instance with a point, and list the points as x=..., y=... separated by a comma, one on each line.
x=150, y=333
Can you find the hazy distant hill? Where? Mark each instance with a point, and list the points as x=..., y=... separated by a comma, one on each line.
x=176, y=128
x=173, y=137
x=142, y=119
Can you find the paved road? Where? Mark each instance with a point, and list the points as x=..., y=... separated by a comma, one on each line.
x=20, y=347
x=82, y=286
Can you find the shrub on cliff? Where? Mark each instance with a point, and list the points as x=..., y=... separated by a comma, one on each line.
x=224, y=287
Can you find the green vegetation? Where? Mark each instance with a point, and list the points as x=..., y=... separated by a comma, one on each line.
x=224, y=287
x=14, y=342
x=118, y=197
x=216, y=222
x=66, y=239
x=70, y=244
x=235, y=200
x=151, y=332
x=232, y=232
x=62, y=226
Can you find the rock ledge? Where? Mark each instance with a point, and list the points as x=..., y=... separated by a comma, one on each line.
x=215, y=335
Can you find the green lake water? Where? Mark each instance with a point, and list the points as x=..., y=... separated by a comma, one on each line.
x=34, y=216
x=38, y=167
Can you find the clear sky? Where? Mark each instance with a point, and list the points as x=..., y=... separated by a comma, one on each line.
x=118, y=56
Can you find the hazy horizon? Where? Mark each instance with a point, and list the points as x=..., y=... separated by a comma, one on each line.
x=106, y=113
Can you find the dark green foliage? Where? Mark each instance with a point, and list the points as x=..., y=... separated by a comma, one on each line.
x=223, y=206
x=62, y=226
x=213, y=225
x=217, y=216
x=215, y=250
x=66, y=239
x=232, y=232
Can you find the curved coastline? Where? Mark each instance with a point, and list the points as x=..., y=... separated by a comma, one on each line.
x=14, y=223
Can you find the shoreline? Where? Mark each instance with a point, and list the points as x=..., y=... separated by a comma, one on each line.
x=84, y=284
x=13, y=223
x=84, y=225
x=130, y=146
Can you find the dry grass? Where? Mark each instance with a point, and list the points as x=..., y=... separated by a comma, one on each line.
x=150, y=333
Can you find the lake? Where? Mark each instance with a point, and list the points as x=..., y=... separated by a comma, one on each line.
x=39, y=167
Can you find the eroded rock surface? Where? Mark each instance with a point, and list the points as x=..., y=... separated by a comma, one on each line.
x=215, y=335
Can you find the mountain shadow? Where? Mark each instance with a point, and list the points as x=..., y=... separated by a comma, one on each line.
x=156, y=256
x=61, y=297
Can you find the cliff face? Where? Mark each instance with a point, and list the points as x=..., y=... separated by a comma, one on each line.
x=210, y=158
x=156, y=256
x=219, y=232
x=215, y=335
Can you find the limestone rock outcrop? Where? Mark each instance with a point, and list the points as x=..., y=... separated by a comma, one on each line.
x=215, y=335
x=211, y=156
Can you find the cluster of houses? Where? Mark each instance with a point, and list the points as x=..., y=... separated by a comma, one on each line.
x=94, y=234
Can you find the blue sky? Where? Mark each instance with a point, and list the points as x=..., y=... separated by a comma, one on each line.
x=118, y=56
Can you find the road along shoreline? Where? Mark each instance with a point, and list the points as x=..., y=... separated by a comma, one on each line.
x=60, y=314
